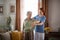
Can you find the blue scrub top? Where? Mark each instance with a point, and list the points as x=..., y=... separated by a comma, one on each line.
x=40, y=28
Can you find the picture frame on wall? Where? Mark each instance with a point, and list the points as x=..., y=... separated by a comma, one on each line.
x=1, y=9
x=12, y=8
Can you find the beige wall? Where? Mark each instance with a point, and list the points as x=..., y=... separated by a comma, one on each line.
x=2, y=17
x=7, y=12
x=6, y=4
x=54, y=14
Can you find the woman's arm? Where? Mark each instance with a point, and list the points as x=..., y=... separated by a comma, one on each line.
x=40, y=23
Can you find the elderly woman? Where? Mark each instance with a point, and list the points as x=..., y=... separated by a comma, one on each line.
x=27, y=27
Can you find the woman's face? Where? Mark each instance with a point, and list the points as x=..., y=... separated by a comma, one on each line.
x=40, y=12
x=29, y=15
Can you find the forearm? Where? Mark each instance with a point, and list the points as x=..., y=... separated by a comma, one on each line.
x=40, y=23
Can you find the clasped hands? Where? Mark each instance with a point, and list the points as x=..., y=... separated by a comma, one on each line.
x=35, y=23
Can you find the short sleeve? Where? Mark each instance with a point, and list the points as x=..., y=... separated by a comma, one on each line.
x=34, y=17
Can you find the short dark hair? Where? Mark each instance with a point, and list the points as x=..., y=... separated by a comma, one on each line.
x=41, y=9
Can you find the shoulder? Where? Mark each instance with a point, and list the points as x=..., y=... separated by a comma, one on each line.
x=32, y=19
x=35, y=16
x=44, y=16
x=25, y=20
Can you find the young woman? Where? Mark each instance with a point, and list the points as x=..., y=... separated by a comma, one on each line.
x=39, y=26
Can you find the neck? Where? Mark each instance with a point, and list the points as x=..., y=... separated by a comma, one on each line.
x=40, y=15
x=28, y=18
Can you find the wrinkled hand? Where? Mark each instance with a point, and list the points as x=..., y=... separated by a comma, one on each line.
x=33, y=24
x=36, y=22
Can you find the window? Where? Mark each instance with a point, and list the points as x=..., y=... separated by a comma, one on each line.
x=28, y=5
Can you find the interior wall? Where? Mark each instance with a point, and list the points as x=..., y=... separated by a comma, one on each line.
x=54, y=14
x=2, y=17
x=7, y=4
x=1, y=1
x=6, y=12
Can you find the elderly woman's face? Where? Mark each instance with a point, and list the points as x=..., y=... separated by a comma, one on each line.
x=29, y=15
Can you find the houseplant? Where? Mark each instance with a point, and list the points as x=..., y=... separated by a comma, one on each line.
x=9, y=22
